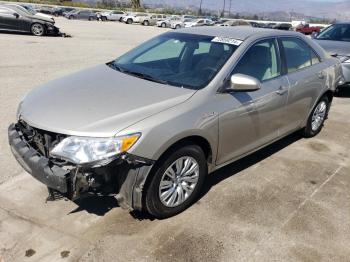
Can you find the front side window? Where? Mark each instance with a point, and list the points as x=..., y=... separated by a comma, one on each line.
x=260, y=61
x=337, y=32
x=298, y=54
x=178, y=59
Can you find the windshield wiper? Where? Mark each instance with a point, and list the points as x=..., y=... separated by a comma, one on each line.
x=115, y=67
x=146, y=77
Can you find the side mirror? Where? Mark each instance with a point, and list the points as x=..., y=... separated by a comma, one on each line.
x=16, y=15
x=244, y=83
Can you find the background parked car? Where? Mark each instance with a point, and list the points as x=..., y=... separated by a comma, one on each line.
x=181, y=23
x=335, y=39
x=236, y=23
x=283, y=26
x=151, y=19
x=167, y=22
x=199, y=22
x=111, y=16
x=82, y=14
x=17, y=20
x=134, y=18
x=49, y=10
x=307, y=29
x=60, y=11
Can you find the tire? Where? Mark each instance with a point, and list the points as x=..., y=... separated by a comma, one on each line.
x=177, y=27
x=146, y=23
x=121, y=19
x=163, y=25
x=103, y=18
x=317, y=118
x=71, y=17
x=91, y=18
x=166, y=202
x=129, y=21
x=37, y=29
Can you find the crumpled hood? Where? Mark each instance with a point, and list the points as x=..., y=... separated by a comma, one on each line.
x=335, y=47
x=97, y=102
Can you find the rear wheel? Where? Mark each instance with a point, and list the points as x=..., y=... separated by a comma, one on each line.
x=163, y=25
x=146, y=23
x=177, y=181
x=71, y=17
x=317, y=117
x=37, y=29
x=103, y=18
x=129, y=21
x=177, y=27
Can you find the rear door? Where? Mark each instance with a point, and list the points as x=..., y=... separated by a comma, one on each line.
x=250, y=120
x=307, y=77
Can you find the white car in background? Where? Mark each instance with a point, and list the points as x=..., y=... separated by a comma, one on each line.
x=199, y=22
x=151, y=19
x=167, y=22
x=134, y=18
x=180, y=23
x=112, y=16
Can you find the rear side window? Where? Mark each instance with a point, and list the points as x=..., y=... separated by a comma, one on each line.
x=260, y=61
x=298, y=54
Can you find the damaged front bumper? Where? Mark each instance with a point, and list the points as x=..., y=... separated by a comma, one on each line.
x=124, y=177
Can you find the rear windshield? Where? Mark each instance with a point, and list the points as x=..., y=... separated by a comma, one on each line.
x=178, y=59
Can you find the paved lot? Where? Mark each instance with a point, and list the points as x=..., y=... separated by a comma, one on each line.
x=288, y=202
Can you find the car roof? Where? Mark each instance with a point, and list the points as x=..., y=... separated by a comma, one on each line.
x=237, y=32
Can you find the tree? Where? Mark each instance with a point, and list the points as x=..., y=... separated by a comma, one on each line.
x=136, y=3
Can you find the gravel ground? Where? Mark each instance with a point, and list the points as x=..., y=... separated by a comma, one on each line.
x=287, y=202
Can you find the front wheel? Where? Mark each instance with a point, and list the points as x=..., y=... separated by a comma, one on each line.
x=146, y=23
x=38, y=29
x=163, y=25
x=177, y=181
x=177, y=27
x=129, y=21
x=317, y=117
x=103, y=18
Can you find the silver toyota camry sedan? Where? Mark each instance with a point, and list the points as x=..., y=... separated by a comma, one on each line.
x=149, y=126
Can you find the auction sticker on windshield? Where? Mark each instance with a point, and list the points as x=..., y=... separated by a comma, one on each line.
x=227, y=40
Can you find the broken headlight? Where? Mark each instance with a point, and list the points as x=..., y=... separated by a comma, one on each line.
x=88, y=150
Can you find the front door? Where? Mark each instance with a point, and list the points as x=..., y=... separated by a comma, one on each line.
x=249, y=120
x=8, y=21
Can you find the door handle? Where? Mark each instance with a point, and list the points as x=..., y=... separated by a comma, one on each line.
x=321, y=75
x=282, y=90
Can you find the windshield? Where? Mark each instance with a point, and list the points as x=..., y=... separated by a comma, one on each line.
x=337, y=32
x=30, y=10
x=178, y=59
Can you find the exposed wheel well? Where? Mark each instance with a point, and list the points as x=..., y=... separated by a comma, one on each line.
x=329, y=94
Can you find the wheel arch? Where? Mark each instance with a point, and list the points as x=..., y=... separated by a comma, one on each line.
x=198, y=140
x=329, y=94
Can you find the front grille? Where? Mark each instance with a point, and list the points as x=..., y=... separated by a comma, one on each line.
x=41, y=140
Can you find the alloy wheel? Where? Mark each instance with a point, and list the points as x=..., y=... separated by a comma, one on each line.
x=178, y=181
x=38, y=29
x=319, y=115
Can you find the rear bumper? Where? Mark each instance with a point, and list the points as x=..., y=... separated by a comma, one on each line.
x=35, y=164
